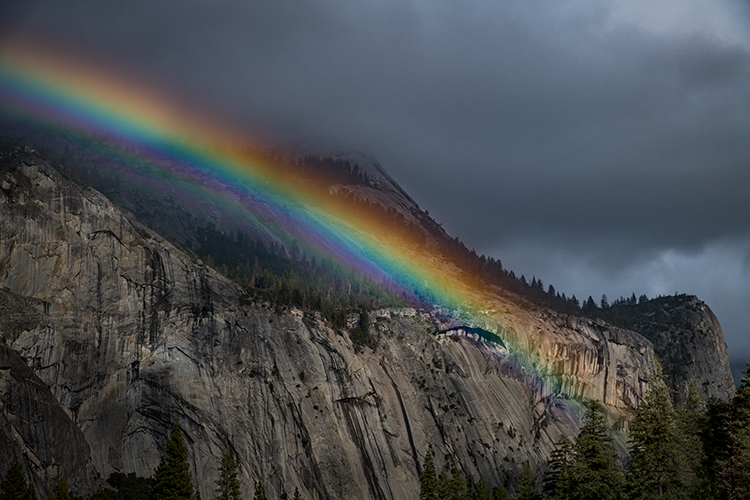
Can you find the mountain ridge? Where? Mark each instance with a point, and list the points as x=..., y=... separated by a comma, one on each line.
x=129, y=333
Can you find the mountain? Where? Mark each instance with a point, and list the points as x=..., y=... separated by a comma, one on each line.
x=126, y=332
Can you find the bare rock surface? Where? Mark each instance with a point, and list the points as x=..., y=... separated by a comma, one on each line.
x=130, y=334
x=34, y=428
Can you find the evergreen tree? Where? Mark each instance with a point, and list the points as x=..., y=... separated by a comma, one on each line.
x=457, y=489
x=596, y=473
x=296, y=496
x=526, y=486
x=691, y=417
x=739, y=469
x=101, y=494
x=172, y=480
x=228, y=484
x=443, y=484
x=14, y=485
x=500, y=493
x=451, y=485
x=482, y=491
x=557, y=482
x=131, y=487
x=657, y=469
x=719, y=441
x=260, y=491
x=604, y=302
x=427, y=479
x=61, y=491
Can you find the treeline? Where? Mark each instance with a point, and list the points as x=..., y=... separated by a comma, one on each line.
x=291, y=278
x=333, y=170
x=686, y=451
x=491, y=270
x=689, y=450
x=693, y=450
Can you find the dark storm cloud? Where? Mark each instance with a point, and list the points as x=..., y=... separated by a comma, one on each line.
x=608, y=140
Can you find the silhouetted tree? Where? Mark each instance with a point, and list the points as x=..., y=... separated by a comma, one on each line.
x=130, y=486
x=657, y=469
x=596, y=473
x=14, y=485
x=172, y=480
x=691, y=415
x=428, y=479
x=557, y=481
x=228, y=484
x=482, y=491
x=61, y=491
x=500, y=493
x=526, y=486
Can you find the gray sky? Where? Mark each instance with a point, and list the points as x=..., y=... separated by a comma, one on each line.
x=601, y=146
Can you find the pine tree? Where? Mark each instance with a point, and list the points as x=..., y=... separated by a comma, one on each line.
x=691, y=416
x=557, y=481
x=596, y=473
x=61, y=491
x=228, y=485
x=482, y=491
x=172, y=480
x=457, y=487
x=296, y=496
x=451, y=485
x=657, y=469
x=443, y=484
x=100, y=494
x=14, y=486
x=739, y=470
x=500, y=493
x=260, y=491
x=719, y=442
x=131, y=486
x=427, y=479
x=526, y=486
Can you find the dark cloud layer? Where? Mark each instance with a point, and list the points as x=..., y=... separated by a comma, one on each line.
x=605, y=148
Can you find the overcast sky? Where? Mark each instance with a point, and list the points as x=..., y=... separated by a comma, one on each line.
x=602, y=146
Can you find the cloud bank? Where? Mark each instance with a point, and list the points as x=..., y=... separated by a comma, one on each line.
x=604, y=148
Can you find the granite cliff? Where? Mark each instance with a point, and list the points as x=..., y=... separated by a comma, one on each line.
x=127, y=333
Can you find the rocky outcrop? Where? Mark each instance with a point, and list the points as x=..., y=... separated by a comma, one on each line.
x=687, y=339
x=36, y=429
x=129, y=334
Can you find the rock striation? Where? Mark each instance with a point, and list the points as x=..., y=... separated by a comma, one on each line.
x=129, y=333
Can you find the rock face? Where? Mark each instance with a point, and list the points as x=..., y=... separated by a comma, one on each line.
x=687, y=338
x=35, y=427
x=130, y=334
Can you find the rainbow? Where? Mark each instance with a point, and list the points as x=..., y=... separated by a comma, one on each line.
x=207, y=162
x=199, y=156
